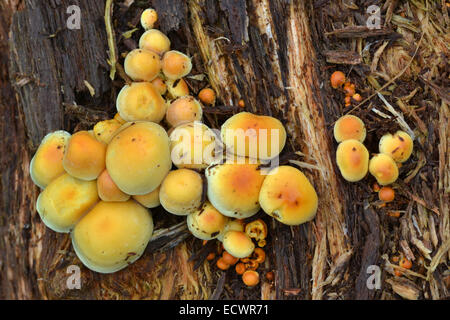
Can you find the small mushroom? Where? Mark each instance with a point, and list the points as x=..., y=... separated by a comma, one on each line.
x=398, y=146
x=148, y=18
x=84, y=157
x=176, y=65
x=238, y=244
x=181, y=192
x=177, y=88
x=250, y=278
x=193, y=146
x=183, y=110
x=256, y=229
x=64, y=201
x=383, y=168
x=352, y=159
x=249, y=135
x=349, y=127
x=234, y=186
x=138, y=157
x=288, y=196
x=159, y=85
x=149, y=200
x=47, y=163
x=207, y=96
x=140, y=101
x=108, y=190
x=155, y=41
x=232, y=224
x=230, y=259
x=112, y=235
x=337, y=79
x=105, y=130
x=142, y=65
x=207, y=222
x=386, y=194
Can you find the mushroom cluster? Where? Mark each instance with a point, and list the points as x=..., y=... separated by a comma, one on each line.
x=99, y=185
x=352, y=157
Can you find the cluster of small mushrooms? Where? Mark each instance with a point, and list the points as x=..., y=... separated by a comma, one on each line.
x=100, y=184
x=352, y=156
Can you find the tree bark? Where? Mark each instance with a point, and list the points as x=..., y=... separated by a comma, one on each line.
x=261, y=51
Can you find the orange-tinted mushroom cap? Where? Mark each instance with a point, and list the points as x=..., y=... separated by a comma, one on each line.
x=154, y=40
x=383, y=168
x=352, y=159
x=349, y=127
x=238, y=244
x=108, y=190
x=207, y=222
x=183, y=110
x=177, y=88
x=337, y=79
x=233, y=188
x=149, y=200
x=207, y=96
x=288, y=196
x=47, y=163
x=84, y=157
x=176, y=65
x=142, y=65
x=250, y=278
x=398, y=146
x=148, y=18
x=249, y=135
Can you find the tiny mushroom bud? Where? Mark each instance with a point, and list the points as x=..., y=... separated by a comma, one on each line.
x=337, y=79
x=233, y=187
x=206, y=223
x=108, y=190
x=386, y=194
x=250, y=278
x=349, y=89
x=149, y=18
x=192, y=146
x=240, y=268
x=352, y=159
x=140, y=101
x=349, y=127
x=154, y=40
x=159, y=85
x=288, y=196
x=149, y=200
x=182, y=110
x=238, y=244
x=207, y=96
x=138, y=157
x=357, y=97
x=47, y=163
x=176, y=65
x=228, y=258
x=105, y=130
x=398, y=146
x=84, y=157
x=241, y=103
x=142, y=65
x=383, y=168
x=64, y=201
x=181, y=192
x=112, y=235
x=222, y=265
x=405, y=263
x=177, y=88
x=254, y=136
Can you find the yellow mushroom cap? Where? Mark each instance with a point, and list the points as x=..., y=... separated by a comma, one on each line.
x=105, y=130
x=207, y=222
x=383, y=168
x=192, y=146
x=149, y=200
x=47, y=163
x=148, y=18
x=176, y=65
x=398, y=146
x=182, y=110
x=177, y=88
x=288, y=196
x=142, y=65
x=138, y=157
x=233, y=188
x=250, y=135
x=108, y=190
x=159, y=85
x=112, y=235
x=84, y=157
x=352, y=159
x=232, y=224
x=349, y=127
x=64, y=201
x=154, y=40
x=238, y=244
x=181, y=192
x=140, y=101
